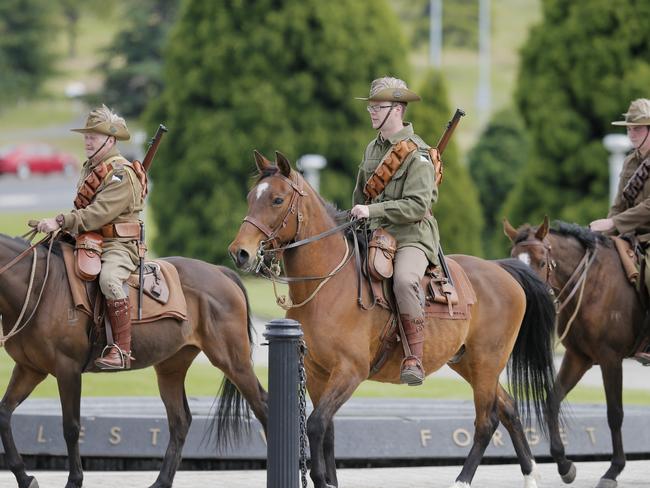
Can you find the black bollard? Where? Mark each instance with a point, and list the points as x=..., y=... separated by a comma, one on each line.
x=282, y=450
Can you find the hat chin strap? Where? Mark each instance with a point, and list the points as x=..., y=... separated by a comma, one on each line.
x=638, y=150
x=392, y=106
x=100, y=148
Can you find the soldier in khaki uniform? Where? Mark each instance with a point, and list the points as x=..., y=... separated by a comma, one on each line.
x=403, y=209
x=118, y=199
x=630, y=212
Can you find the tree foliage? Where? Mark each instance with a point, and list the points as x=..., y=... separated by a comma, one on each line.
x=132, y=63
x=496, y=163
x=580, y=68
x=457, y=210
x=266, y=75
x=25, y=55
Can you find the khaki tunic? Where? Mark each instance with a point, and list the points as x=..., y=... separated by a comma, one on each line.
x=404, y=207
x=118, y=199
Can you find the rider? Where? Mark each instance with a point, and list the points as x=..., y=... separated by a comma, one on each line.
x=403, y=209
x=117, y=199
x=630, y=212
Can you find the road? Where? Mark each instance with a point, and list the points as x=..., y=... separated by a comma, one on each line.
x=38, y=193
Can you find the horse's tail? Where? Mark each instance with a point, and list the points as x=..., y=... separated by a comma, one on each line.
x=231, y=418
x=531, y=373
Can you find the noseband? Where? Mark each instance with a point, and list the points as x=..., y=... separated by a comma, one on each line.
x=292, y=209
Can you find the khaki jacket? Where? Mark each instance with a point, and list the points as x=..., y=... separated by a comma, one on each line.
x=404, y=207
x=635, y=218
x=118, y=199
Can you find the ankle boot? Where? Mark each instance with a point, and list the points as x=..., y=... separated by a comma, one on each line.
x=643, y=353
x=118, y=355
x=412, y=372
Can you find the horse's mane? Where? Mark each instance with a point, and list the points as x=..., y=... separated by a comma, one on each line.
x=585, y=236
x=22, y=244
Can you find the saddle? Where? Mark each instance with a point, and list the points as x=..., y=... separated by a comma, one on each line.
x=163, y=296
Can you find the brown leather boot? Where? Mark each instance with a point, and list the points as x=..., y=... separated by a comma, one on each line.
x=412, y=371
x=118, y=355
x=643, y=353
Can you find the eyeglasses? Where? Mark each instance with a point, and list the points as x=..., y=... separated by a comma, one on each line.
x=373, y=109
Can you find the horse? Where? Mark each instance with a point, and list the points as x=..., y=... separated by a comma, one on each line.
x=513, y=314
x=218, y=324
x=604, y=321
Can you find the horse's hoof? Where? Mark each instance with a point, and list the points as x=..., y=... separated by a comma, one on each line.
x=33, y=483
x=460, y=484
x=569, y=476
x=607, y=483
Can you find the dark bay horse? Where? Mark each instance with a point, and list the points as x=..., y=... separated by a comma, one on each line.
x=218, y=324
x=605, y=328
x=513, y=314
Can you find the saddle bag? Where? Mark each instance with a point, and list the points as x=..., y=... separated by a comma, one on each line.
x=628, y=258
x=440, y=289
x=88, y=252
x=381, y=253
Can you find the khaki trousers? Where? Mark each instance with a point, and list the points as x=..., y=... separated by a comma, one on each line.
x=117, y=266
x=409, y=267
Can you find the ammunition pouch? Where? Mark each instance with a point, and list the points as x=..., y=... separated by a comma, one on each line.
x=381, y=253
x=121, y=230
x=88, y=252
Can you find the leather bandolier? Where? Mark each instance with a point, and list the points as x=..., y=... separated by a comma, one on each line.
x=636, y=182
x=88, y=189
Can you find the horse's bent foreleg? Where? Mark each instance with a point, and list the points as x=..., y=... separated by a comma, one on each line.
x=336, y=392
x=573, y=368
x=509, y=417
x=22, y=383
x=68, y=377
x=171, y=384
x=612, y=372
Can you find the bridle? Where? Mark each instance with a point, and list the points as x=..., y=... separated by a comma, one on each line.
x=271, y=246
x=575, y=282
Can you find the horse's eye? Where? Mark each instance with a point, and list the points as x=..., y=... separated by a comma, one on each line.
x=542, y=264
x=278, y=201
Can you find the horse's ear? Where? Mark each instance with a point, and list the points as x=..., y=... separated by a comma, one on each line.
x=283, y=163
x=542, y=230
x=509, y=230
x=261, y=162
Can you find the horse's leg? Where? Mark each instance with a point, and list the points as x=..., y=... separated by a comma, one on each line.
x=171, y=384
x=339, y=388
x=22, y=383
x=573, y=368
x=68, y=377
x=509, y=417
x=612, y=372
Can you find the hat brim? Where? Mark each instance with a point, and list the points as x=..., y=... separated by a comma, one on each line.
x=396, y=95
x=625, y=123
x=107, y=129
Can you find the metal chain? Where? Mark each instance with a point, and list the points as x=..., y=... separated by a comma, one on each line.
x=302, y=399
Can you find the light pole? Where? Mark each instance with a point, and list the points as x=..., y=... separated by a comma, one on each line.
x=435, y=33
x=618, y=145
x=484, y=90
x=310, y=165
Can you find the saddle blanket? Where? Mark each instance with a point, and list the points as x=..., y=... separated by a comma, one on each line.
x=152, y=310
x=464, y=290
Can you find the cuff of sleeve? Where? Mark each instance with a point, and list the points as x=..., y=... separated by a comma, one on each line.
x=376, y=210
x=68, y=220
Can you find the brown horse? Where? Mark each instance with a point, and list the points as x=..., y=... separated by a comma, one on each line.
x=219, y=325
x=513, y=314
x=604, y=330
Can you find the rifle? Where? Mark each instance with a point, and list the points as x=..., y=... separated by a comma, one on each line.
x=442, y=144
x=146, y=164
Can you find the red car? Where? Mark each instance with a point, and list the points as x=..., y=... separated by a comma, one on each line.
x=25, y=159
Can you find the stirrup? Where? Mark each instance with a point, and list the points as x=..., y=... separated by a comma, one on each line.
x=125, y=359
x=412, y=375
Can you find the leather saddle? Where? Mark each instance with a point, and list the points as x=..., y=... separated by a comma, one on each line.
x=162, y=296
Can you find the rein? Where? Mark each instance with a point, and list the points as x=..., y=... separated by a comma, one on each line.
x=17, y=327
x=576, y=281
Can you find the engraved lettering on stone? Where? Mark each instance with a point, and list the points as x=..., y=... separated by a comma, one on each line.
x=425, y=436
x=531, y=436
x=497, y=438
x=40, y=438
x=116, y=436
x=591, y=432
x=154, y=436
x=462, y=437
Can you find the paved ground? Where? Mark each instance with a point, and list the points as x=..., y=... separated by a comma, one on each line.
x=636, y=475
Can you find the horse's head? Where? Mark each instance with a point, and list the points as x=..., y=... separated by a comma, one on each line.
x=530, y=245
x=274, y=213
